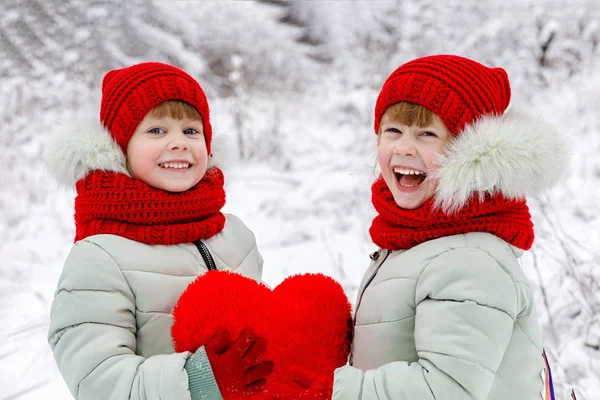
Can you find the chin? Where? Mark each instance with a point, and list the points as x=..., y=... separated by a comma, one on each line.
x=177, y=189
x=411, y=201
x=172, y=188
x=409, y=204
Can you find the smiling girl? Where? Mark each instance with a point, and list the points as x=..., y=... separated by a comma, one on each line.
x=168, y=149
x=410, y=138
x=444, y=310
x=148, y=221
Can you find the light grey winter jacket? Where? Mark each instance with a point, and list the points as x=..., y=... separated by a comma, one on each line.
x=111, y=315
x=450, y=319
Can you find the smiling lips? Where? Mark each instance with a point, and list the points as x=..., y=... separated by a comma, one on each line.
x=175, y=165
x=408, y=178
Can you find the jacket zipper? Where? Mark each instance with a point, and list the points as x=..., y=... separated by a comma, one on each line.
x=208, y=260
x=368, y=283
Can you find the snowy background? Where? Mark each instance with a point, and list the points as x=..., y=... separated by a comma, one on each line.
x=293, y=86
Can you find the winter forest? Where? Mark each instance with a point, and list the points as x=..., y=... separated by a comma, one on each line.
x=292, y=87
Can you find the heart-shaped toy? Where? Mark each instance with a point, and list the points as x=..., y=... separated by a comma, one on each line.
x=306, y=320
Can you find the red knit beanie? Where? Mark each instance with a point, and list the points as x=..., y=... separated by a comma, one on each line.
x=129, y=93
x=456, y=89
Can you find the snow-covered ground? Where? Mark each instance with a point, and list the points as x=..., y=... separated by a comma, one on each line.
x=303, y=186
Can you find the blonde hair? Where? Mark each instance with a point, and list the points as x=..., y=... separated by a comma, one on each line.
x=175, y=109
x=409, y=114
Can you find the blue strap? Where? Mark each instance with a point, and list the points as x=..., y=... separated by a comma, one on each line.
x=549, y=384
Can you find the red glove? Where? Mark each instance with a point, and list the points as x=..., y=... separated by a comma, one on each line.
x=301, y=386
x=237, y=366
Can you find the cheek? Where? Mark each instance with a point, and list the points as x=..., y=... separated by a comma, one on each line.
x=201, y=155
x=142, y=158
x=383, y=156
x=430, y=157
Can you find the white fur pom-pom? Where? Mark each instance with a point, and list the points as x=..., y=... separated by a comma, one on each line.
x=221, y=149
x=515, y=154
x=78, y=148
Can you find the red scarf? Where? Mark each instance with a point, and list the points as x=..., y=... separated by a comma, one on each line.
x=109, y=202
x=397, y=228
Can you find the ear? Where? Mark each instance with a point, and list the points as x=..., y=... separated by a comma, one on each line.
x=76, y=149
x=516, y=154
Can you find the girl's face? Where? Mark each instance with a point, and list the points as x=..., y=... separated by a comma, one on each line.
x=168, y=154
x=407, y=157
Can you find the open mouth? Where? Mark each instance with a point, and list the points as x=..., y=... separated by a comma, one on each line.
x=175, y=165
x=409, y=177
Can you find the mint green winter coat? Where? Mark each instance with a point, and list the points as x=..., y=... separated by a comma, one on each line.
x=454, y=318
x=110, y=327
x=110, y=322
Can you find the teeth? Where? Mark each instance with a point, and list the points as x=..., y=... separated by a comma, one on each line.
x=404, y=171
x=174, y=165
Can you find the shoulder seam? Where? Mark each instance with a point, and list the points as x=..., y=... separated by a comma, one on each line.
x=248, y=254
x=470, y=248
x=115, y=262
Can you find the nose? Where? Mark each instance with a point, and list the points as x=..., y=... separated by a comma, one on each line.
x=178, y=143
x=405, y=147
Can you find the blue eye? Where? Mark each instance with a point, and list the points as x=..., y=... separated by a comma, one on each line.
x=392, y=131
x=156, y=131
x=191, y=131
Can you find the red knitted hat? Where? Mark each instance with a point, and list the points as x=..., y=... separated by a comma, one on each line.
x=129, y=93
x=457, y=89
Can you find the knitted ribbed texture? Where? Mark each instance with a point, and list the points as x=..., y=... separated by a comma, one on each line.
x=397, y=228
x=112, y=203
x=202, y=382
x=129, y=93
x=457, y=89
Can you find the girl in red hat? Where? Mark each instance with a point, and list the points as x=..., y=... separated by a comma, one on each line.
x=444, y=310
x=148, y=221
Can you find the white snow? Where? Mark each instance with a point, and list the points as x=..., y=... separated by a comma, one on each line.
x=302, y=181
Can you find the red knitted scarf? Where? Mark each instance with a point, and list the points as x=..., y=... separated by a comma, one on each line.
x=397, y=228
x=109, y=202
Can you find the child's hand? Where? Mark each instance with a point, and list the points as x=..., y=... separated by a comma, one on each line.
x=301, y=386
x=237, y=366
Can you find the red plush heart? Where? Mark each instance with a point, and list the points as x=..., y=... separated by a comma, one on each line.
x=306, y=319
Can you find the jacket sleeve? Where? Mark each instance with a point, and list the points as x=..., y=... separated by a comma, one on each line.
x=93, y=335
x=466, y=305
x=235, y=248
